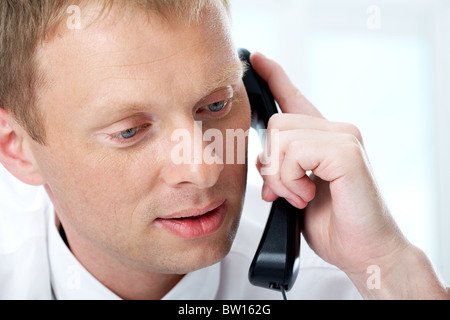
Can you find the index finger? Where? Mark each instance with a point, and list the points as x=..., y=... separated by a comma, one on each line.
x=289, y=98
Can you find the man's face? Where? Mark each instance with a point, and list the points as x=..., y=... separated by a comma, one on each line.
x=117, y=91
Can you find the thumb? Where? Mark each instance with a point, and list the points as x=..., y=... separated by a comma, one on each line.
x=289, y=98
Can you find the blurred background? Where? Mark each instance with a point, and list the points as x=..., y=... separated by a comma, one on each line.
x=385, y=67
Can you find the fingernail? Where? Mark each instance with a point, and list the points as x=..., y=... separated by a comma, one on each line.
x=291, y=201
x=297, y=202
x=260, y=54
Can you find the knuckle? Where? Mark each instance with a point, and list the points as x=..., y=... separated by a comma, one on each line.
x=292, y=94
x=297, y=94
x=292, y=148
x=353, y=130
x=276, y=121
x=354, y=148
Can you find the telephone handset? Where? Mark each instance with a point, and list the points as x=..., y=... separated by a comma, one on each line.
x=276, y=262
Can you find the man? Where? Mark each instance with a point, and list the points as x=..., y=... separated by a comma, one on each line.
x=89, y=110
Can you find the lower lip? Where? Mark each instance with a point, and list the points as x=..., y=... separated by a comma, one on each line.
x=197, y=227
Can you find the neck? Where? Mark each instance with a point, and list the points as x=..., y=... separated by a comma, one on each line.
x=125, y=280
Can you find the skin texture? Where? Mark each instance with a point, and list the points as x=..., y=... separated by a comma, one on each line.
x=116, y=91
x=346, y=220
x=104, y=80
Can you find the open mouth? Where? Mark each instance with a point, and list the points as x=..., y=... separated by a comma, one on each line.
x=196, y=224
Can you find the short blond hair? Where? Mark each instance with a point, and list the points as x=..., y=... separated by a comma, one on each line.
x=23, y=23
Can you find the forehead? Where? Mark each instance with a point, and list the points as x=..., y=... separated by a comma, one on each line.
x=141, y=50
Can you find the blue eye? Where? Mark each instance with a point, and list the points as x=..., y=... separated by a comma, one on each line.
x=130, y=133
x=217, y=106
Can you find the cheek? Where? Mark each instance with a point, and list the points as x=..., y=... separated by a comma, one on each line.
x=236, y=169
x=96, y=187
x=238, y=125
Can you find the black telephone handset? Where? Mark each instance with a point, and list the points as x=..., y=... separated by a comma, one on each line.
x=276, y=262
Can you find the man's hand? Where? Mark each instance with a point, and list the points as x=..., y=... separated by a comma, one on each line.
x=346, y=221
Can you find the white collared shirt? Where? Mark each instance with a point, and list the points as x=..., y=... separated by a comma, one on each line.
x=35, y=263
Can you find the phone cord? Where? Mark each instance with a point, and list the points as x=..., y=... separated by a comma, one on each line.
x=283, y=292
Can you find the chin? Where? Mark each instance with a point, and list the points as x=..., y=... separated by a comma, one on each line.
x=179, y=255
x=194, y=254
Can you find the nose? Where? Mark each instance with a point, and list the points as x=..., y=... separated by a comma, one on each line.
x=190, y=160
x=203, y=176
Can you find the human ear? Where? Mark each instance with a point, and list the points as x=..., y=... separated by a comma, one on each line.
x=15, y=154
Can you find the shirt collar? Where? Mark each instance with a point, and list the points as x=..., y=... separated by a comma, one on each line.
x=71, y=281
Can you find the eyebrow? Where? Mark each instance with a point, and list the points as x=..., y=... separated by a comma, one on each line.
x=230, y=73
x=227, y=75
